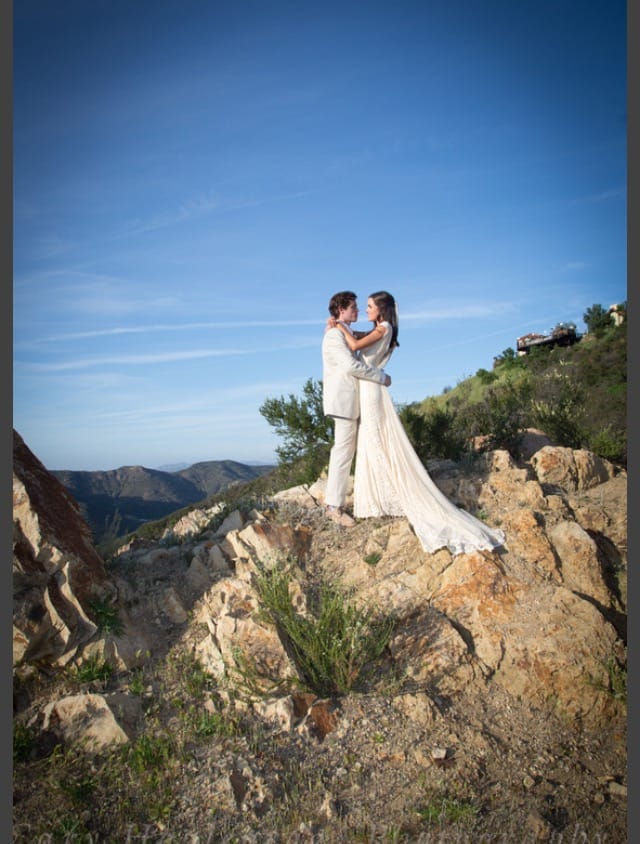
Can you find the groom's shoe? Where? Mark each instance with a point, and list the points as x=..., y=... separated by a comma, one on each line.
x=336, y=515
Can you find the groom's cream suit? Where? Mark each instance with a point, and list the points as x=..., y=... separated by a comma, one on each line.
x=340, y=399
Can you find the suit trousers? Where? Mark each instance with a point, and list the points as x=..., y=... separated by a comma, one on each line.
x=340, y=459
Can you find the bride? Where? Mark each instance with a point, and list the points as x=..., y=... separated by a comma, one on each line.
x=390, y=479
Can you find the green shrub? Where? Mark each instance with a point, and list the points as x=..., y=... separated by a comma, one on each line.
x=92, y=668
x=79, y=786
x=206, y=724
x=617, y=679
x=500, y=416
x=69, y=829
x=509, y=359
x=616, y=684
x=136, y=684
x=23, y=741
x=486, y=377
x=198, y=680
x=597, y=320
x=558, y=408
x=105, y=615
x=333, y=645
x=609, y=443
x=432, y=433
x=149, y=752
x=448, y=810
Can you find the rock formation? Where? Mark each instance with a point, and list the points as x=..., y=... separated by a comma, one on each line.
x=57, y=572
x=542, y=621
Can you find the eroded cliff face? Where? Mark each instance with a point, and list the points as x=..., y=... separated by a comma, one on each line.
x=56, y=569
x=537, y=616
x=542, y=617
x=520, y=636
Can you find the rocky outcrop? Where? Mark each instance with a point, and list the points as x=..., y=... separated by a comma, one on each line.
x=489, y=651
x=57, y=572
x=92, y=721
x=542, y=618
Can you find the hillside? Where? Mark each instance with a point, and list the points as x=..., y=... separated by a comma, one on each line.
x=473, y=697
x=214, y=476
x=118, y=501
x=577, y=395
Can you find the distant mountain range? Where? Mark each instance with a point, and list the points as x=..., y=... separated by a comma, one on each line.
x=172, y=467
x=120, y=500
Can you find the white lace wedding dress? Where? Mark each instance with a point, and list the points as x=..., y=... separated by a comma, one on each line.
x=390, y=479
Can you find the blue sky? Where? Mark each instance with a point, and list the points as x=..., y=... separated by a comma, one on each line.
x=194, y=180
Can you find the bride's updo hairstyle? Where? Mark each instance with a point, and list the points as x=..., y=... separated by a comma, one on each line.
x=386, y=304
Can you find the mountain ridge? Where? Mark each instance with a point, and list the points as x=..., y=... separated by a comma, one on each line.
x=120, y=500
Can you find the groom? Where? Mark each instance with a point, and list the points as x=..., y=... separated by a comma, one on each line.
x=340, y=399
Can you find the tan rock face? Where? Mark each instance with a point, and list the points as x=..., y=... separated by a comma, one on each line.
x=537, y=618
x=541, y=618
x=91, y=720
x=56, y=570
x=557, y=648
x=485, y=649
x=475, y=594
x=528, y=540
x=579, y=561
x=238, y=640
x=571, y=469
x=430, y=651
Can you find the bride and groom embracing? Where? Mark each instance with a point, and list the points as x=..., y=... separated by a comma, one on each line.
x=389, y=479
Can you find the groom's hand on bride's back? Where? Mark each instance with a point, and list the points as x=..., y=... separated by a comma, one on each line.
x=387, y=381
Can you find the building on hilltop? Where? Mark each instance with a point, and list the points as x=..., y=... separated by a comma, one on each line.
x=618, y=313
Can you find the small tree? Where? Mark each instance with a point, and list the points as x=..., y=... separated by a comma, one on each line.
x=508, y=359
x=597, y=320
x=485, y=377
x=500, y=417
x=558, y=408
x=306, y=431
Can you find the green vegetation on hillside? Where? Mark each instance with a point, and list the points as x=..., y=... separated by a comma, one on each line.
x=576, y=394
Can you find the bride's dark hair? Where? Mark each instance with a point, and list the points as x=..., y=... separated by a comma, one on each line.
x=386, y=304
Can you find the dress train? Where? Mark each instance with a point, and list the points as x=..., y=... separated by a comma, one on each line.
x=390, y=479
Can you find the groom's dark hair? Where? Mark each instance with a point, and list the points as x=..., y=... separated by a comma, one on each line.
x=341, y=301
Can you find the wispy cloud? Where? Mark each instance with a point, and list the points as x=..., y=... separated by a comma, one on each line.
x=446, y=312
x=601, y=196
x=225, y=400
x=464, y=311
x=89, y=293
x=196, y=208
x=137, y=360
x=604, y=195
x=572, y=266
x=180, y=327
x=163, y=357
x=189, y=210
x=267, y=200
x=49, y=246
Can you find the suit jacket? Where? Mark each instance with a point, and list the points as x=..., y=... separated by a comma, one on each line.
x=340, y=369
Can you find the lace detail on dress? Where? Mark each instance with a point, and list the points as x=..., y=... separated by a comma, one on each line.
x=374, y=493
x=390, y=479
